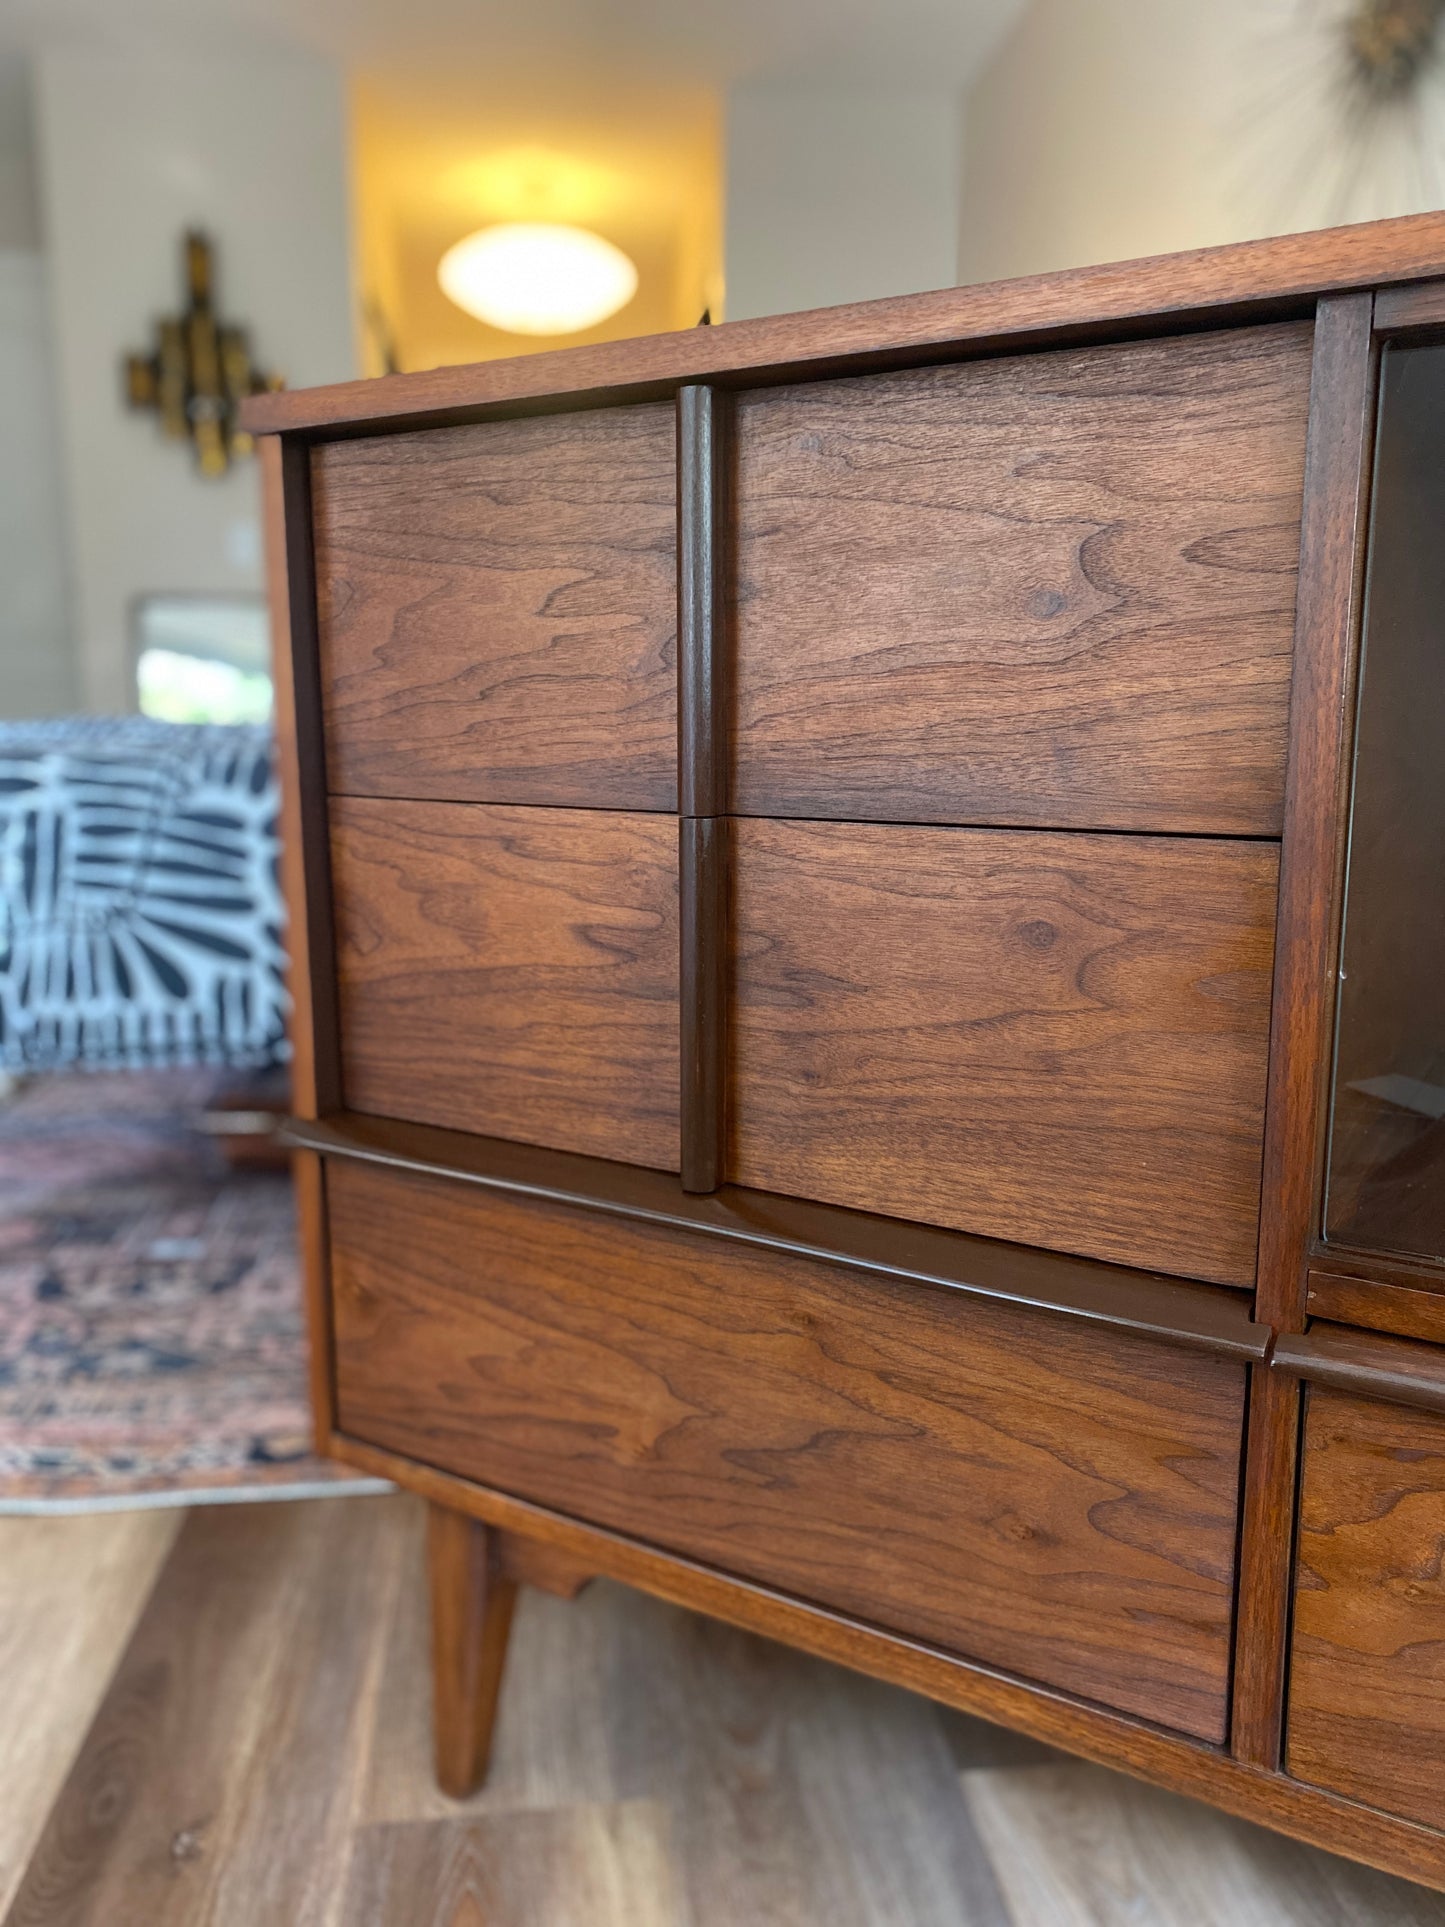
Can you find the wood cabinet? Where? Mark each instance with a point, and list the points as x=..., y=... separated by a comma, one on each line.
x=1054, y=590
x=1367, y=1681
x=999, y=1481
x=1058, y=1040
x=495, y=611
x=820, y=863
x=510, y=971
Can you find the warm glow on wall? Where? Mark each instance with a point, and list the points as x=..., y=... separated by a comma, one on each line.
x=537, y=278
x=638, y=164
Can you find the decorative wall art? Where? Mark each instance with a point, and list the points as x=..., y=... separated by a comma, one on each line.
x=200, y=371
x=1340, y=112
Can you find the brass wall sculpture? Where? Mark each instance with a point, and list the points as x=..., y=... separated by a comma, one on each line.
x=200, y=371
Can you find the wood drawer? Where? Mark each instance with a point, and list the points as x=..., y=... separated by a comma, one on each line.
x=512, y=972
x=1043, y=1494
x=1055, y=589
x=1366, y=1711
x=1057, y=1039
x=497, y=610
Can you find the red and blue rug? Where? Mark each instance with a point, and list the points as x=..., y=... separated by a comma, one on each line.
x=152, y=1344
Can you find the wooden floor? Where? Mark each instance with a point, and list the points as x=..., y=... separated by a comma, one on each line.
x=221, y=1718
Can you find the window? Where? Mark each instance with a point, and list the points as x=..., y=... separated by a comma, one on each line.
x=203, y=659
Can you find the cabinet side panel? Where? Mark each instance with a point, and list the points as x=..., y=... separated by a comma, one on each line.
x=305, y=877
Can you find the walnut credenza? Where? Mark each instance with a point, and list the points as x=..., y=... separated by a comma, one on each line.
x=868, y=895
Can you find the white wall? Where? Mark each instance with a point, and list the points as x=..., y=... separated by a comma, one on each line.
x=1106, y=129
x=837, y=195
x=37, y=663
x=19, y=202
x=136, y=145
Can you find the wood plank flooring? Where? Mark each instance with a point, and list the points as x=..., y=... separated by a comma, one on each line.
x=222, y=1722
x=70, y=1593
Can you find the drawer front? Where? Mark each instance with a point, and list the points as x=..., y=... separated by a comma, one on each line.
x=1039, y=1494
x=511, y=971
x=1055, y=589
x=1054, y=1039
x=498, y=612
x=1367, y=1672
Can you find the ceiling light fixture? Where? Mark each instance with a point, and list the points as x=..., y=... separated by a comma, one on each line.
x=537, y=278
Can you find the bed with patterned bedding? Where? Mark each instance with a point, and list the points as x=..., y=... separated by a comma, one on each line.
x=140, y=915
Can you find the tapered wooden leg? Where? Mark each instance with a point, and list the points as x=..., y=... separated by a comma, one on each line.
x=471, y=1615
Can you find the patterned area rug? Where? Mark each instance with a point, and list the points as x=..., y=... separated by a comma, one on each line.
x=152, y=1348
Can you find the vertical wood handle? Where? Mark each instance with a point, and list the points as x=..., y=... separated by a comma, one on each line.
x=703, y=870
x=702, y=745
x=703, y=757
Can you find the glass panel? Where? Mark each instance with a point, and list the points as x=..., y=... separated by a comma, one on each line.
x=1387, y=1154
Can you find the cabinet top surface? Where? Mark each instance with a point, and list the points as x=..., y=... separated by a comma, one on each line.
x=1246, y=280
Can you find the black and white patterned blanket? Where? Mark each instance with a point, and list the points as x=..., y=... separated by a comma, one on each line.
x=140, y=914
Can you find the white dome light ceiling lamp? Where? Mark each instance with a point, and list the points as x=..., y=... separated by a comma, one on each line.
x=537, y=278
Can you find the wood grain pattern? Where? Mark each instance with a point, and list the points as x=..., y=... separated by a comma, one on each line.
x=1054, y=590
x=786, y=1791
x=532, y=1562
x=1093, y=1732
x=1419, y=304
x=471, y=1614
x=71, y=1590
x=1367, y=1676
x=1378, y=1304
x=498, y=611
x=1082, y=1848
x=197, y=1794
x=703, y=585
x=1271, y=1458
x=315, y=1073
x=1270, y=277
x=1058, y=1501
x=1377, y=1267
x=756, y=1784
x=300, y=765
x=1056, y=1039
x=512, y=971
x=1371, y=1363
x=308, y=1180
x=1196, y=1317
x=1337, y=463
x=577, y=1867
x=1311, y=858
x=703, y=987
